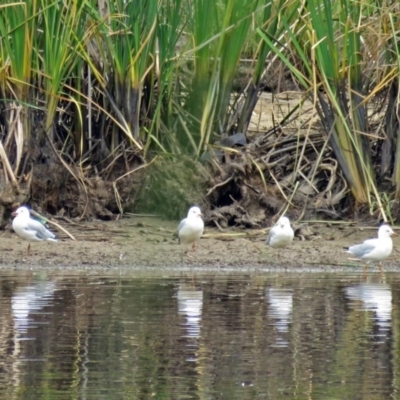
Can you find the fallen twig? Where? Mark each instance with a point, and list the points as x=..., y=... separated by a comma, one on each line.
x=218, y=185
x=52, y=223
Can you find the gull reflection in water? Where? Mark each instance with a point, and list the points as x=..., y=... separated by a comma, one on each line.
x=28, y=300
x=280, y=312
x=190, y=304
x=376, y=297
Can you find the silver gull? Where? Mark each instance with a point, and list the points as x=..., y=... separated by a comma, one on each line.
x=280, y=235
x=30, y=229
x=191, y=228
x=375, y=250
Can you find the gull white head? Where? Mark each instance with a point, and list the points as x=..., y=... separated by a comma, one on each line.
x=283, y=222
x=385, y=231
x=21, y=211
x=194, y=212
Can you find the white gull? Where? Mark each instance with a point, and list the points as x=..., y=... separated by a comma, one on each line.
x=30, y=229
x=280, y=235
x=191, y=228
x=375, y=250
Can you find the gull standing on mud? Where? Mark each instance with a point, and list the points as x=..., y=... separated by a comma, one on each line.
x=191, y=228
x=30, y=229
x=377, y=249
x=281, y=234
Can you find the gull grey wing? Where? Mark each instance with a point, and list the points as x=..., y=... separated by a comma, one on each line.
x=181, y=224
x=360, y=250
x=270, y=236
x=40, y=231
x=180, y=227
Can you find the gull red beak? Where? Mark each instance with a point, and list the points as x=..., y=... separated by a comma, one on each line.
x=14, y=214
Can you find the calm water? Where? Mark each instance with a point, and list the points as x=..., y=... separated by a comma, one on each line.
x=216, y=336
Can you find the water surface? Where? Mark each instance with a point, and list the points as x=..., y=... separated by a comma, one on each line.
x=172, y=335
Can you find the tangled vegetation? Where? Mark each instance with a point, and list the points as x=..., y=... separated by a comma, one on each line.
x=91, y=92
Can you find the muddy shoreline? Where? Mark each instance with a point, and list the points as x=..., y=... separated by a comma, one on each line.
x=138, y=243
